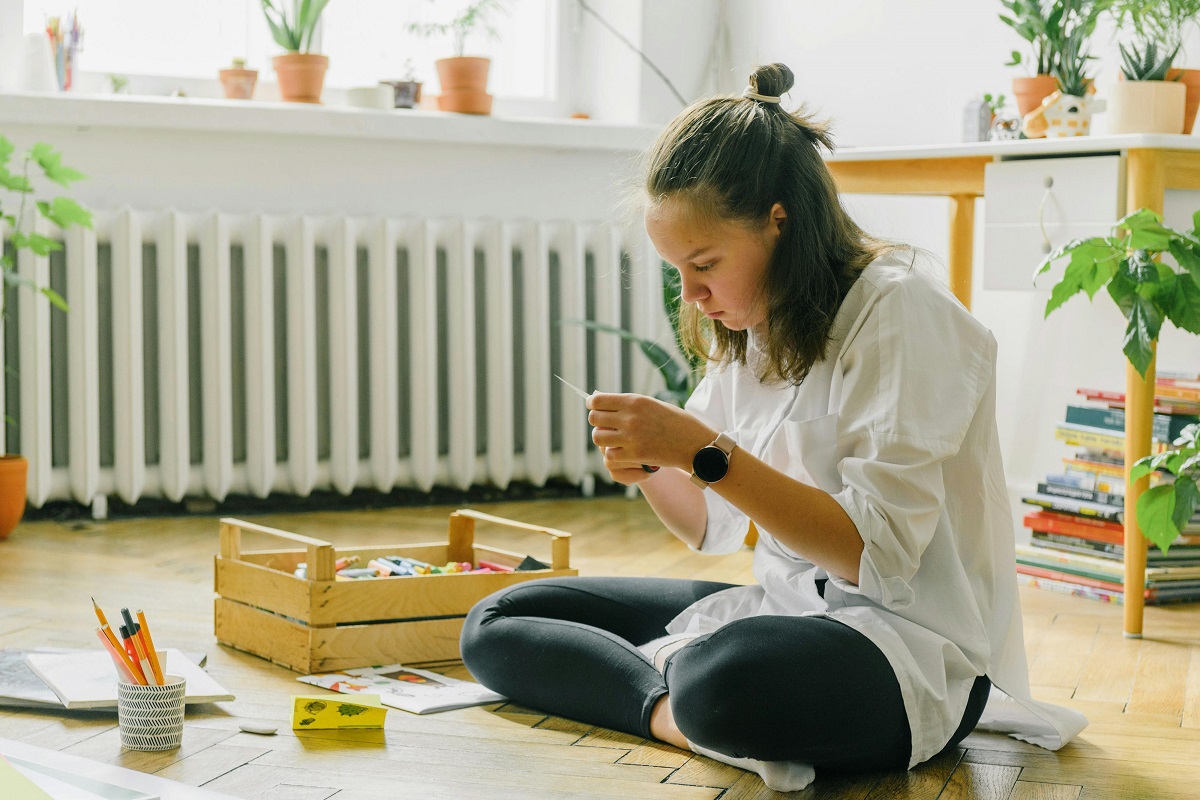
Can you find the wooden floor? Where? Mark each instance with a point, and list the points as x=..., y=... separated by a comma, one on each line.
x=1143, y=697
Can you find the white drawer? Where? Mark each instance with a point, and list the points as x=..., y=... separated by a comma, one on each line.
x=1011, y=253
x=1081, y=190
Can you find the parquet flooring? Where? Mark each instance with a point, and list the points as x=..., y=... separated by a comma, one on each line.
x=1142, y=697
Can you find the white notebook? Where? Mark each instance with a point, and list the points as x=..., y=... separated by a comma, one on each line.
x=89, y=680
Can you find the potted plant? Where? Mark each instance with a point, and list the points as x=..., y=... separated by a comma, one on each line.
x=1149, y=106
x=237, y=81
x=1067, y=111
x=1046, y=25
x=15, y=222
x=464, y=78
x=301, y=73
x=1148, y=292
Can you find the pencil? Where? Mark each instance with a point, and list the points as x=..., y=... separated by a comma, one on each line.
x=144, y=661
x=99, y=614
x=118, y=657
x=148, y=644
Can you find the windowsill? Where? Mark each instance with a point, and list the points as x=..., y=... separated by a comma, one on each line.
x=297, y=119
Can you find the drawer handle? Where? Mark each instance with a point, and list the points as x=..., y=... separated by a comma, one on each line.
x=1048, y=182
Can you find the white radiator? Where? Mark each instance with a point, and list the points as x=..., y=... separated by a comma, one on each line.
x=210, y=354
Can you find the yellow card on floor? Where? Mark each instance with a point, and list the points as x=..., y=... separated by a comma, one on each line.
x=16, y=786
x=327, y=711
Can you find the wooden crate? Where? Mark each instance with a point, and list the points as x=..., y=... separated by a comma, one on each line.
x=319, y=624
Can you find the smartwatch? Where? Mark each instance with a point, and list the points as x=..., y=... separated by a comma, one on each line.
x=711, y=463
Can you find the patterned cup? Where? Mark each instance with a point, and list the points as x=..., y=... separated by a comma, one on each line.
x=151, y=717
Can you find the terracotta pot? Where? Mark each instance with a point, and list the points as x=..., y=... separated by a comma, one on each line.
x=1191, y=79
x=238, y=83
x=464, y=85
x=13, y=470
x=301, y=76
x=1030, y=92
x=1146, y=107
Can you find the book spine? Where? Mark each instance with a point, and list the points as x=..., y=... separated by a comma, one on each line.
x=1079, y=544
x=1167, y=427
x=1067, y=577
x=1092, y=438
x=1074, y=589
x=1077, y=508
x=1090, y=495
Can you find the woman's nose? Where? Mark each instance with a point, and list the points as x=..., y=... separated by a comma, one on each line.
x=691, y=290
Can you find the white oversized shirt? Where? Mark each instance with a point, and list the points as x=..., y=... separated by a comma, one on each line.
x=898, y=424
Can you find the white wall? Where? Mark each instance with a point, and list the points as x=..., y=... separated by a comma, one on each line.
x=899, y=73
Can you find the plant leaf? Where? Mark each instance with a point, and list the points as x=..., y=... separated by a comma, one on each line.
x=1144, y=466
x=6, y=151
x=50, y=160
x=1143, y=328
x=1147, y=231
x=1155, y=509
x=16, y=183
x=674, y=374
x=1187, y=495
x=55, y=298
x=39, y=244
x=1183, y=309
x=65, y=212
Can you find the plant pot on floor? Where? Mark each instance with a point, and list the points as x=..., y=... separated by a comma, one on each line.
x=1191, y=79
x=464, y=85
x=1146, y=107
x=13, y=471
x=1031, y=91
x=301, y=76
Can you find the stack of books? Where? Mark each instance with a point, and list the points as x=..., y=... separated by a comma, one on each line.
x=1077, y=530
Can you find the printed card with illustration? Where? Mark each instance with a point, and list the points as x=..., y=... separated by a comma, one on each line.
x=312, y=713
x=406, y=688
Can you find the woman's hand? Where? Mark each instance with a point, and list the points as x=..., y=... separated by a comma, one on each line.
x=633, y=429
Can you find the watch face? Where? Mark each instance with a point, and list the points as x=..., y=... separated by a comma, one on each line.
x=710, y=464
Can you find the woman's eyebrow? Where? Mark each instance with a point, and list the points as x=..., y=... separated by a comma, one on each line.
x=698, y=251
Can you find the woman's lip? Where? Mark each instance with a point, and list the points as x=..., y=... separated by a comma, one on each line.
x=712, y=314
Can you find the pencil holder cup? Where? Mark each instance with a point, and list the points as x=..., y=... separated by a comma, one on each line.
x=151, y=717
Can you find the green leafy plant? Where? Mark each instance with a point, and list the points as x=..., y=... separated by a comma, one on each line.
x=61, y=211
x=293, y=30
x=994, y=102
x=1164, y=510
x=1047, y=24
x=1148, y=292
x=679, y=375
x=1143, y=61
x=1071, y=69
x=474, y=17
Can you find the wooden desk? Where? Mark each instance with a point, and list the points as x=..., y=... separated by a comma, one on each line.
x=1153, y=164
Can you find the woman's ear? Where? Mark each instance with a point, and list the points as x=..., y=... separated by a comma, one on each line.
x=776, y=220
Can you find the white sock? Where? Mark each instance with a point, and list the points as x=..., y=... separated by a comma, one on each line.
x=781, y=776
x=651, y=648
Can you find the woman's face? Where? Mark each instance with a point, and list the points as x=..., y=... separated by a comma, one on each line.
x=722, y=264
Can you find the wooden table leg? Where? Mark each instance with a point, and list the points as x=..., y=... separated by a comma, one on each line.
x=962, y=246
x=1145, y=182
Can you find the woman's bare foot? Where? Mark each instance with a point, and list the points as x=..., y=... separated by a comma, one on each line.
x=662, y=724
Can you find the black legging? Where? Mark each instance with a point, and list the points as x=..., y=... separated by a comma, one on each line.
x=775, y=688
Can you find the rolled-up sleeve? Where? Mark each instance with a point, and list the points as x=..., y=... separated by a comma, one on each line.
x=918, y=372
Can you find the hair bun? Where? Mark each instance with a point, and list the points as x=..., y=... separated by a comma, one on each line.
x=772, y=80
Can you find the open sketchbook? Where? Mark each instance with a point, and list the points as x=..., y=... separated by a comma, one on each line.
x=87, y=679
x=415, y=690
x=20, y=686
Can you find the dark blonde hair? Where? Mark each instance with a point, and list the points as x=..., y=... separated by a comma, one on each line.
x=733, y=158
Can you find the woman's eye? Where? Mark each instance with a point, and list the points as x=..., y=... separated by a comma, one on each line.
x=703, y=267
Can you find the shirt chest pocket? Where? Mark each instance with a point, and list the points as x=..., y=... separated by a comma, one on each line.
x=812, y=449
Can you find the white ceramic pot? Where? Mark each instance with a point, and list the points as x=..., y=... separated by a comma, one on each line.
x=1146, y=107
x=1062, y=115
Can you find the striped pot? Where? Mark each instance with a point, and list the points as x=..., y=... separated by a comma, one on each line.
x=151, y=717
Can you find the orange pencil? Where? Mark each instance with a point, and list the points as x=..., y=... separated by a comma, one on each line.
x=117, y=656
x=148, y=645
x=99, y=614
x=143, y=661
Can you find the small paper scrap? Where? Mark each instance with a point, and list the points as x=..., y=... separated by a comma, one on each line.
x=328, y=712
